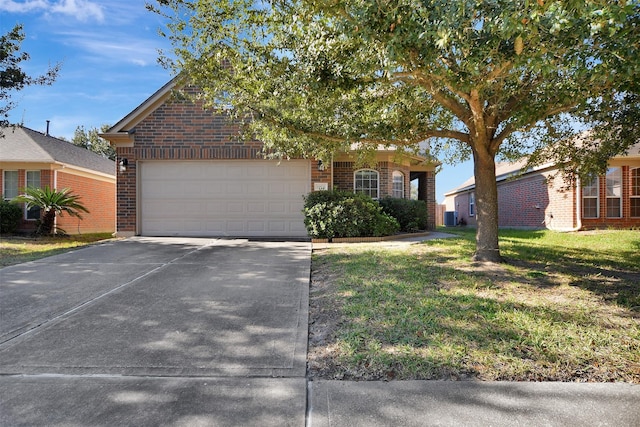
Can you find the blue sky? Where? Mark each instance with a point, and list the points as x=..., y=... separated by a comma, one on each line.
x=108, y=50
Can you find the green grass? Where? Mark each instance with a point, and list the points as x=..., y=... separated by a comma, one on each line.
x=16, y=250
x=564, y=307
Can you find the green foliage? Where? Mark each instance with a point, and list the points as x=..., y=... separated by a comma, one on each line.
x=91, y=140
x=10, y=215
x=484, y=78
x=12, y=76
x=52, y=202
x=330, y=214
x=410, y=214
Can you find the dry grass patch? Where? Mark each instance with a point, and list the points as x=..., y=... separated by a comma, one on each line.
x=565, y=307
x=16, y=250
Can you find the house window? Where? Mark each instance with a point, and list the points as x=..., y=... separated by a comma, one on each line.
x=590, y=199
x=10, y=181
x=398, y=185
x=614, y=193
x=635, y=192
x=366, y=181
x=33, y=181
x=472, y=204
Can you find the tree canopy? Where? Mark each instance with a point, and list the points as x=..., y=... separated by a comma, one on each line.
x=91, y=140
x=12, y=76
x=474, y=78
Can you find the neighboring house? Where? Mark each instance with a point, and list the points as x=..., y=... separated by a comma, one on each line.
x=32, y=159
x=184, y=173
x=530, y=199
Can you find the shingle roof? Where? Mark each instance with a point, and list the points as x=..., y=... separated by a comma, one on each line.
x=21, y=144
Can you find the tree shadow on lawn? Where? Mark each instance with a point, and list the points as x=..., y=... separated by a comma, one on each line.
x=588, y=269
x=427, y=320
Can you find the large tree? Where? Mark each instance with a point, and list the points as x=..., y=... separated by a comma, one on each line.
x=12, y=76
x=475, y=78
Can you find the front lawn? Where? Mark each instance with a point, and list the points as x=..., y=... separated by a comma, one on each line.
x=16, y=250
x=565, y=307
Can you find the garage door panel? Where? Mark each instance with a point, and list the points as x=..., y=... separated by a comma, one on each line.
x=224, y=198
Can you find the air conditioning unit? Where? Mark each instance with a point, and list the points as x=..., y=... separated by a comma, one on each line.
x=450, y=218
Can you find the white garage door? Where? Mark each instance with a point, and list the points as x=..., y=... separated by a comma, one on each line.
x=232, y=198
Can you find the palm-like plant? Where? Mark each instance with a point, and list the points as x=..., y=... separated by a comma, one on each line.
x=52, y=202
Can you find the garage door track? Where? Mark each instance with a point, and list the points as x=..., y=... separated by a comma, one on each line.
x=153, y=331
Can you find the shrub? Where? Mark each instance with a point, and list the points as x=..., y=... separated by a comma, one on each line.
x=330, y=214
x=411, y=214
x=10, y=215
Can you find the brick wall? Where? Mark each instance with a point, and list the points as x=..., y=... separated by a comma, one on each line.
x=186, y=131
x=177, y=130
x=542, y=200
x=523, y=202
x=97, y=196
x=343, y=177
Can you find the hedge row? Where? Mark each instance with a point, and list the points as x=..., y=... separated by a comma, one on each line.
x=330, y=214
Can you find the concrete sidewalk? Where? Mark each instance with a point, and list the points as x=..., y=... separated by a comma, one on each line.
x=472, y=403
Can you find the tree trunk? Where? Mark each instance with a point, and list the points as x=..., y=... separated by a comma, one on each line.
x=47, y=224
x=486, y=208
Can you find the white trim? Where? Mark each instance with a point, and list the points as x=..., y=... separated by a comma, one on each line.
x=597, y=197
x=26, y=184
x=4, y=183
x=369, y=188
x=619, y=197
x=394, y=174
x=631, y=195
x=472, y=206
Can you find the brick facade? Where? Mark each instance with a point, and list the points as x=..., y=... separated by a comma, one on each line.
x=542, y=200
x=179, y=130
x=97, y=195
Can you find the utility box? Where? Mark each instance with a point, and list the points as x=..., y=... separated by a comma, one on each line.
x=450, y=218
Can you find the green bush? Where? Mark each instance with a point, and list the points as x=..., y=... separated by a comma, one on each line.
x=10, y=215
x=411, y=214
x=329, y=214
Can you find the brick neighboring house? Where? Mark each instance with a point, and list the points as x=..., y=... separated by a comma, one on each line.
x=31, y=158
x=187, y=174
x=530, y=200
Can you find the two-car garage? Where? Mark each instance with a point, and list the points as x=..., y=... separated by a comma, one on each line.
x=223, y=198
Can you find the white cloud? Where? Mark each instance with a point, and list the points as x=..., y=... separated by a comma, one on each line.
x=114, y=47
x=82, y=10
x=23, y=7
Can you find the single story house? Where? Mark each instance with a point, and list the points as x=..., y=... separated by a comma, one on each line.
x=31, y=158
x=183, y=172
x=529, y=199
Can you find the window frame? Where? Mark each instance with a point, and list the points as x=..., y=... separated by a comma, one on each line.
x=395, y=191
x=634, y=191
x=472, y=203
x=595, y=183
x=32, y=214
x=367, y=190
x=4, y=184
x=617, y=186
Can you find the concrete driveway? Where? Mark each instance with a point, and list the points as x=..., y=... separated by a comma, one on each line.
x=152, y=331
